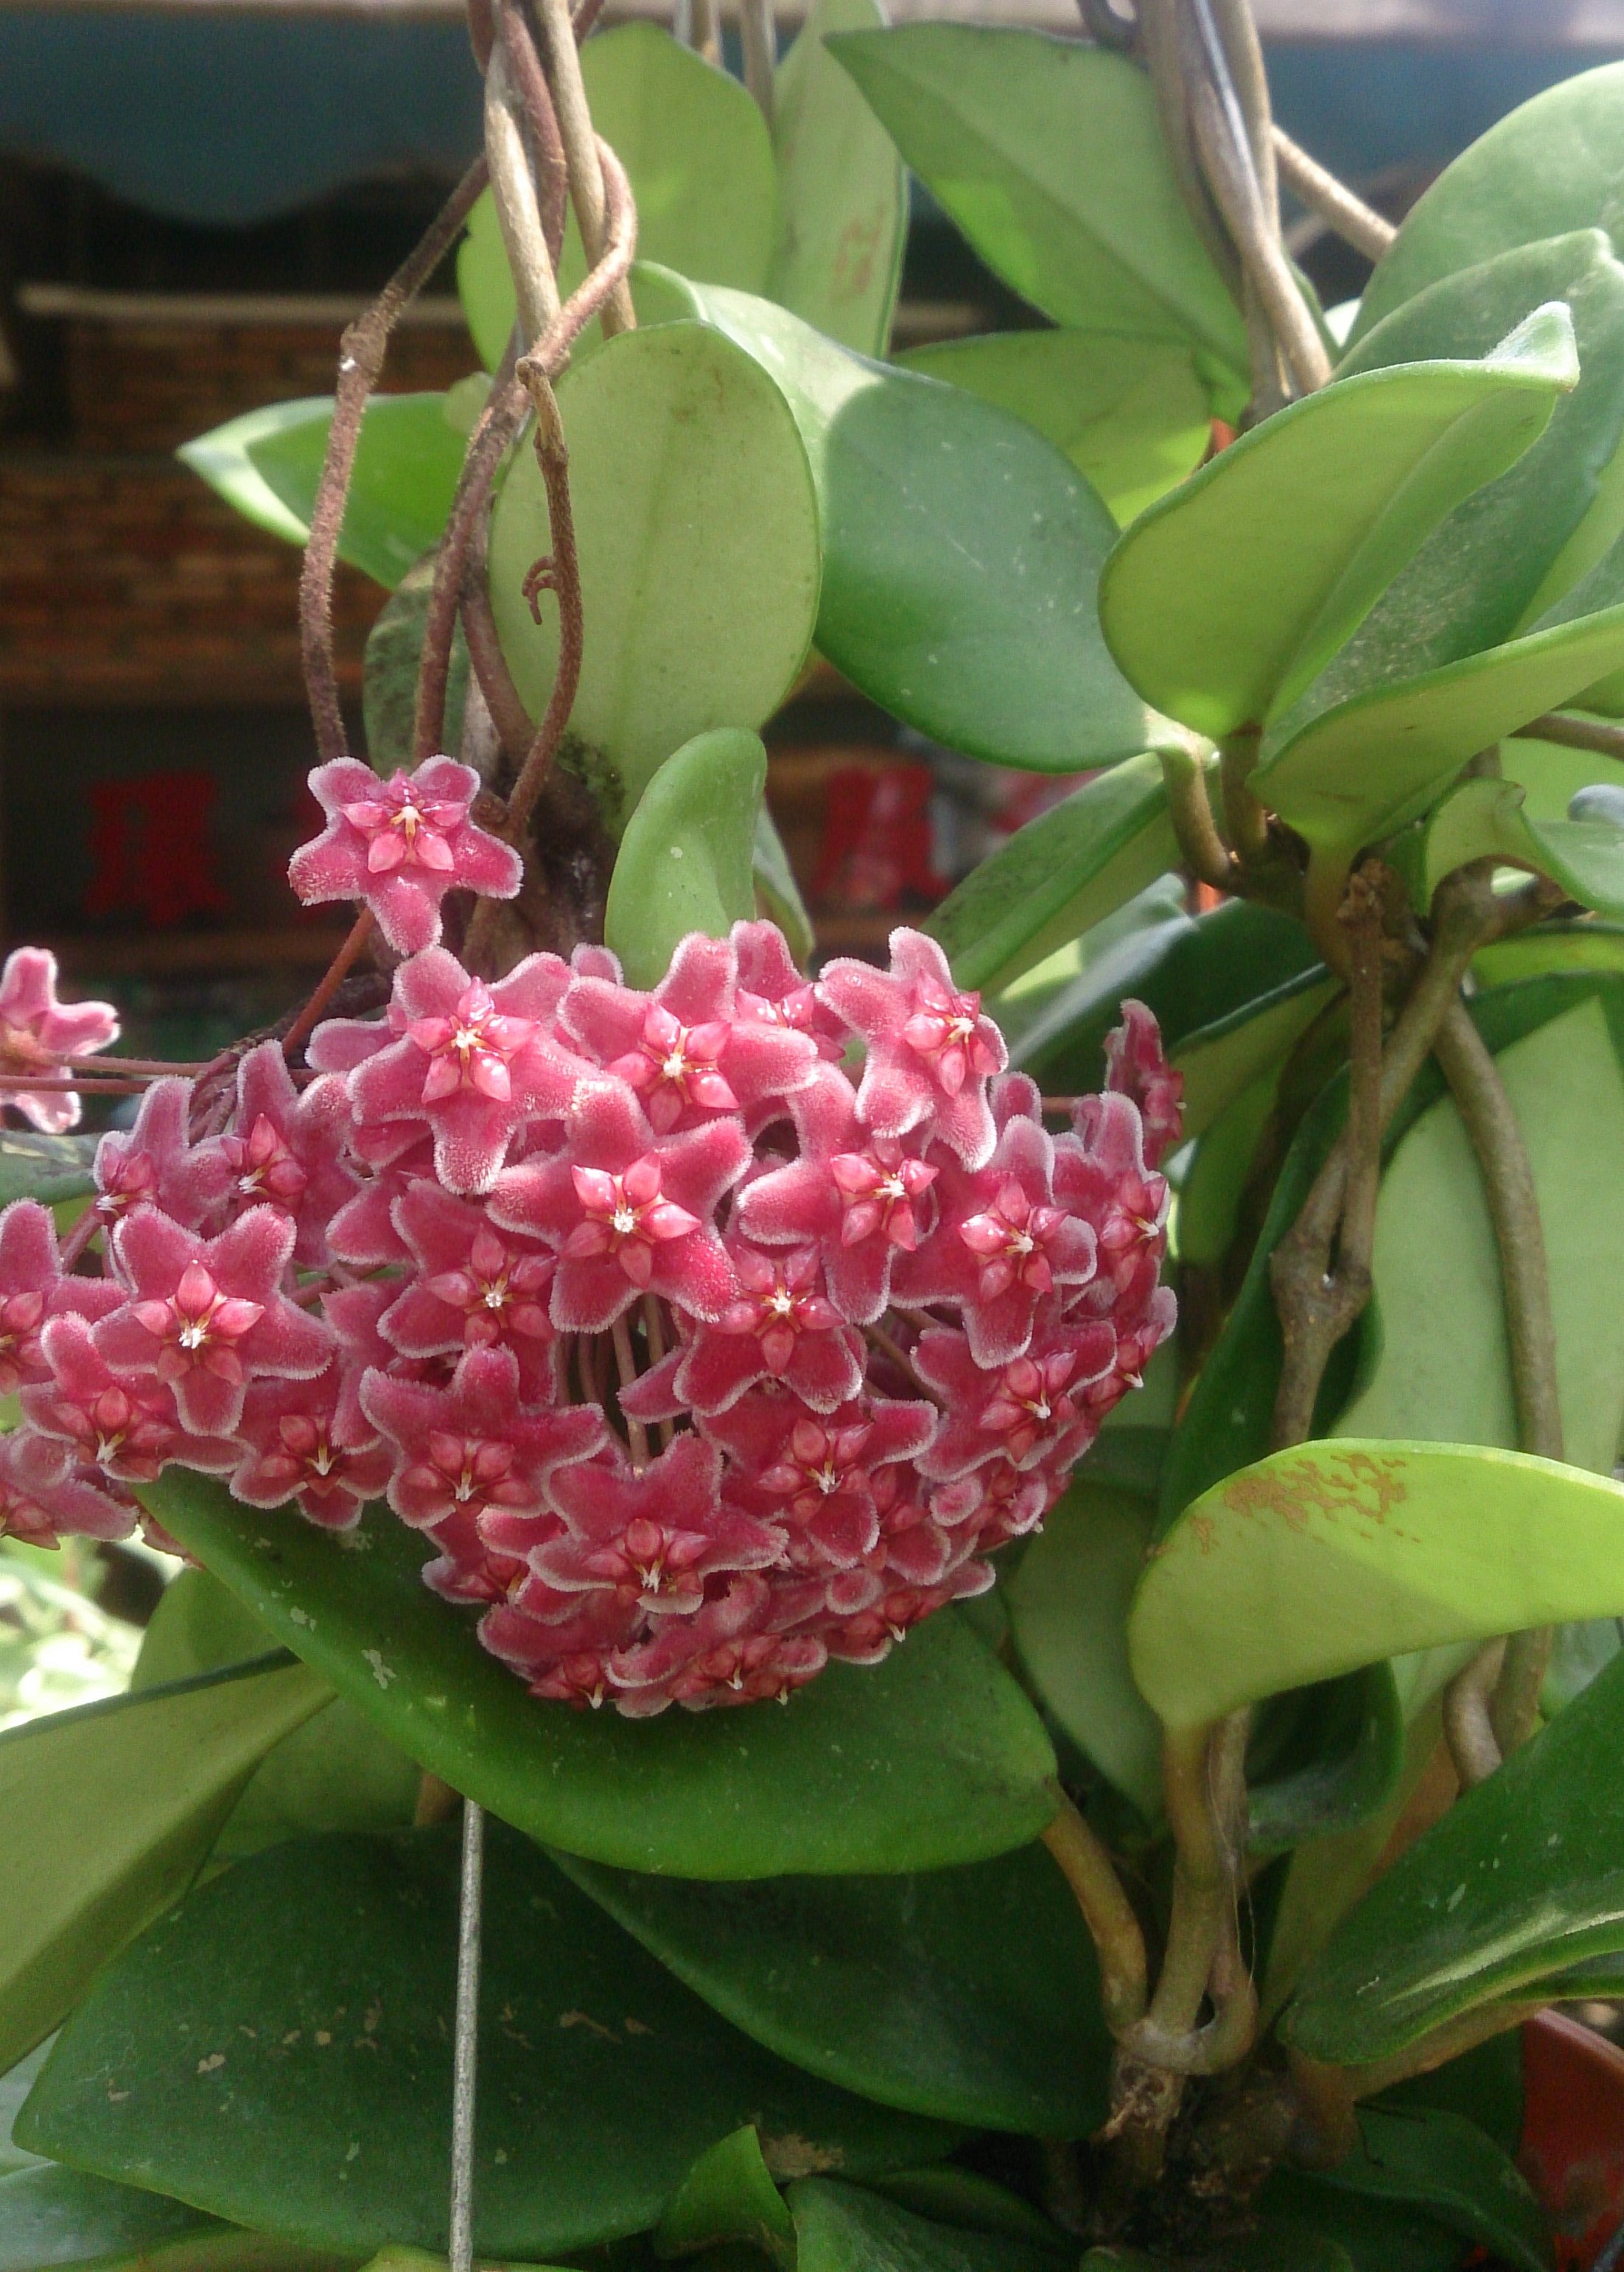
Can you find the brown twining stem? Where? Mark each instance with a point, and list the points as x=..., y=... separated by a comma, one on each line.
x=564, y=583
x=1107, y=1912
x=512, y=720
x=1593, y=734
x=360, y=360
x=889, y=1346
x=513, y=184
x=584, y=18
x=1467, y=1726
x=154, y=1065
x=583, y=151
x=758, y=38
x=626, y=1366
x=1161, y=38
x=47, y=1084
x=552, y=172
x=343, y=962
x=1357, y=223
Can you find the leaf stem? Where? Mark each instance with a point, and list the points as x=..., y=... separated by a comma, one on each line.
x=337, y=971
x=1571, y=733
x=1357, y=223
x=583, y=152
x=1205, y=853
x=1119, y=1943
x=1468, y=1728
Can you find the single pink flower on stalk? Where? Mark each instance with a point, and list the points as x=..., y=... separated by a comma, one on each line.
x=301, y=1443
x=207, y=1315
x=930, y=1048
x=39, y=1036
x=43, y=1493
x=398, y=846
x=33, y=1289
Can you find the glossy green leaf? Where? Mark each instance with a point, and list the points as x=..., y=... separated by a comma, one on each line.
x=1418, y=1546
x=1519, y=1882
x=1129, y=409
x=700, y=165
x=1572, y=946
x=968, y=1993
x=933, y=1757
x=1554, y=164
x=777, y=891
x=687, y=859
x=106, y=1811
x=1068, y=1604
x=697, y=530
x=842, y=190
x=407, y=466
x=1039, y=1009
x=1223, y=602
x=1221, y=1061
x=54, y=2219
x=1507, y=553
x=1058, y=876
x=1376, y=2236
x=728, y=2195
x=1566, y=1087
x=1486, y=820
x=1049, y=156
x=279, y=2050
x=842, y=2228
x=1446, y=2165
x=221, y=457
x=393, y=655
x=49, y=1168
x=961, y=555
x=950, y=2194
x=1358, y=1742
x=1215, y=1182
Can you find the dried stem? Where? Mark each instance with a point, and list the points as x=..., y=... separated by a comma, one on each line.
x=582, y=151
x=1559, y=726
x=1162, y=44
x=513, y=186
x=1205, y=853
x=546, y=147
x=626, y=1366
x=304, y=1025
x=360, y=360
x=1119, y=1943
x=1357, y=223
x=758, y=37
x=493, y=435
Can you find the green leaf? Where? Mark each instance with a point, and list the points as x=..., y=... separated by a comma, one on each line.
x=952, y=2194
x=57, y=2220
x=221, y=457
x=400, y=491
x=1417, y=1544
x=728, y=2195
x=279, y=2050
x=1221, y=1061
x=1506, y=554
x=1223, y=602
x=1566, y=1087
x=842, y=190
x=1358, y=1732
x=931, y=1758
x=49, y=1168
x=393, y=655
x=1485, y=820
x=687, y=859
x=1039, y=1010
x=1067, y=1603
x=961, y=555
x=1127, y=409
x=105, y=1813
x=1049, y=156
x=1215, y=1182
x=1445, y=2164
x=699, y=161
x=970, y=1994
x=697, y=530
x=843, y=2228
x=1058, y=876
x=1555, y=947
x=1552, y=165
x=777, y=891
x=1518, y=1884
x=1377, y=2236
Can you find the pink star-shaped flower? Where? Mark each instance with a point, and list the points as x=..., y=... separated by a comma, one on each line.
x=816, y=1471
x=39, y=1036
x=560, y=1644
x=300, y=1441
x=773, y=991
x=780, y=1328
x=1100, y=1177
x=472, y=1450
x=1136, y=1067
x=44, y=1493
x=1025, y=1411
x=33, y=1289
x=717, y=1657
x=473, y=1063
x=287, y=1150
x=126, y=1426
x=400, y=845
x=156, y=1162
x=930, y=1049
x=208, y=1315
x=477, y=1287
x=630, y=1213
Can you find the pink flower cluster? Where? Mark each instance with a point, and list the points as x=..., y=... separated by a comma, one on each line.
x=697, y=1360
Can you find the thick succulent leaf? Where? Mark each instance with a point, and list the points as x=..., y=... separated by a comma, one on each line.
x=52, y=2217
x=950, y=2194
x=1487, y=819
x=1215, y=1182
x=1576, y=946
x=279, y=2050
x=1358, y=1732
x=1049, y=156
x=49, y=1168
x=105, y=1813
x=1127, y=408
x=777, y=891
x=842, y=192
x=405, y=477
x=697, y=531
x=687, y=860
x=933, y=1757
x=843, y=2228
x=969, y=1994
x=1221, y=1061
x=699, y=161
x=728, y=2195
x=961, y=555
x=1554, y=164
x=389, y=672
x=1223, y=602
x=1417, y=1544
x=1377, y=2235
x=1505, y=555
x=1067, y=1603
x=1444, y=2164
x=1059, y=876
x=1566, y=1087
x=221, y=457
x=1518, y=1883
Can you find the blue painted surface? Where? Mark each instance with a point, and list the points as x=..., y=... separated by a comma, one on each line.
x=231, y=118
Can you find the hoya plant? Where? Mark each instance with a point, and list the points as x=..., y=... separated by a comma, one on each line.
x=1009, y=1562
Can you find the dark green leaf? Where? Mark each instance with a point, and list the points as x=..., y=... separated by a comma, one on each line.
x=728, y=2195
x=400, y=490
x=1215, y=1182
x=1224, y=601
x=1445, y=2164
x=1359, y=1742
x=55, y=2217
x=49, y=1168
x=278, y=2050
x=961, y=555
x=105, y=1813
x=844, y=2228
x=953, y=2195
x=389, y=673
x=843, y=197
x=1050, y=157
x=1485, y=2085
x=687, y=859
x=1089, y=978
x=1128, y=410
x=1059, y=876
x=969, y=1994
x=931, y=1758
x=1376, y=2236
